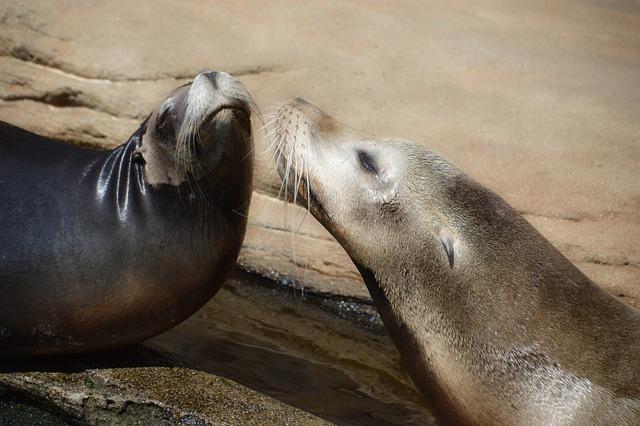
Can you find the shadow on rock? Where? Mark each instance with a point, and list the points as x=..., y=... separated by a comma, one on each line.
x=138, y=355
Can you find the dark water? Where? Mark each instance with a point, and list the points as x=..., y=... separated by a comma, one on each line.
x=21, y=413
x=295, y=351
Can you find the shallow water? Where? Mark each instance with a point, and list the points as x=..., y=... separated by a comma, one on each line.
x=300, y=352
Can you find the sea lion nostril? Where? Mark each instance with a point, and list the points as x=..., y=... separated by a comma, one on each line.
x=213, y=77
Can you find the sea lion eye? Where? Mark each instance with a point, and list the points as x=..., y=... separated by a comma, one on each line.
x=164, y=113
x=367, y=162
x=164, y=125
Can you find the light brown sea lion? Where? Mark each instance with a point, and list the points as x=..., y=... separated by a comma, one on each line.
x=494, y=324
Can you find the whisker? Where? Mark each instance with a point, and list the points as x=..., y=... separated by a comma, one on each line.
x=292, y=166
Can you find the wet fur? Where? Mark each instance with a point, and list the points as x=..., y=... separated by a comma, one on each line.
x=121, y=245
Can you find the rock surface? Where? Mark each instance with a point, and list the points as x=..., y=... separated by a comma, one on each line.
x=536, y=100
x=154, y=390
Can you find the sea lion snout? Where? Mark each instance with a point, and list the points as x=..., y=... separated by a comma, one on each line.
x=217, y=118
x=199, y=127
x=316, y=118
x=213, y=91
x=211, y=75
x=305, y=106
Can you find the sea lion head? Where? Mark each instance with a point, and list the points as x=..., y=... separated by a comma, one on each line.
x=367, y=192
x=202, y=130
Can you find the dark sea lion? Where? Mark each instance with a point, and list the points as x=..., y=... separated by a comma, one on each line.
x=100, y=249
x=494, y=324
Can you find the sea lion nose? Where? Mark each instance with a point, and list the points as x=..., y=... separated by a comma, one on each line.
x=214, y=89
x=213, y=77
x=304, y=105
x=218, y=79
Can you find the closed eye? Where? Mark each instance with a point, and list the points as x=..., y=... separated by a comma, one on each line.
x=164, y=126
x=164, y=112
x=367, y=162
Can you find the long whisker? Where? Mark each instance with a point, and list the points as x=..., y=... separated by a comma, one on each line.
x=293, y=168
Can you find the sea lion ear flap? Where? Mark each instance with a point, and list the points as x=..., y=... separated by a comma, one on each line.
x=447, y=243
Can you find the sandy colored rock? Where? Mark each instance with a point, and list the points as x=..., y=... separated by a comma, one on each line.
x=536, y=100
